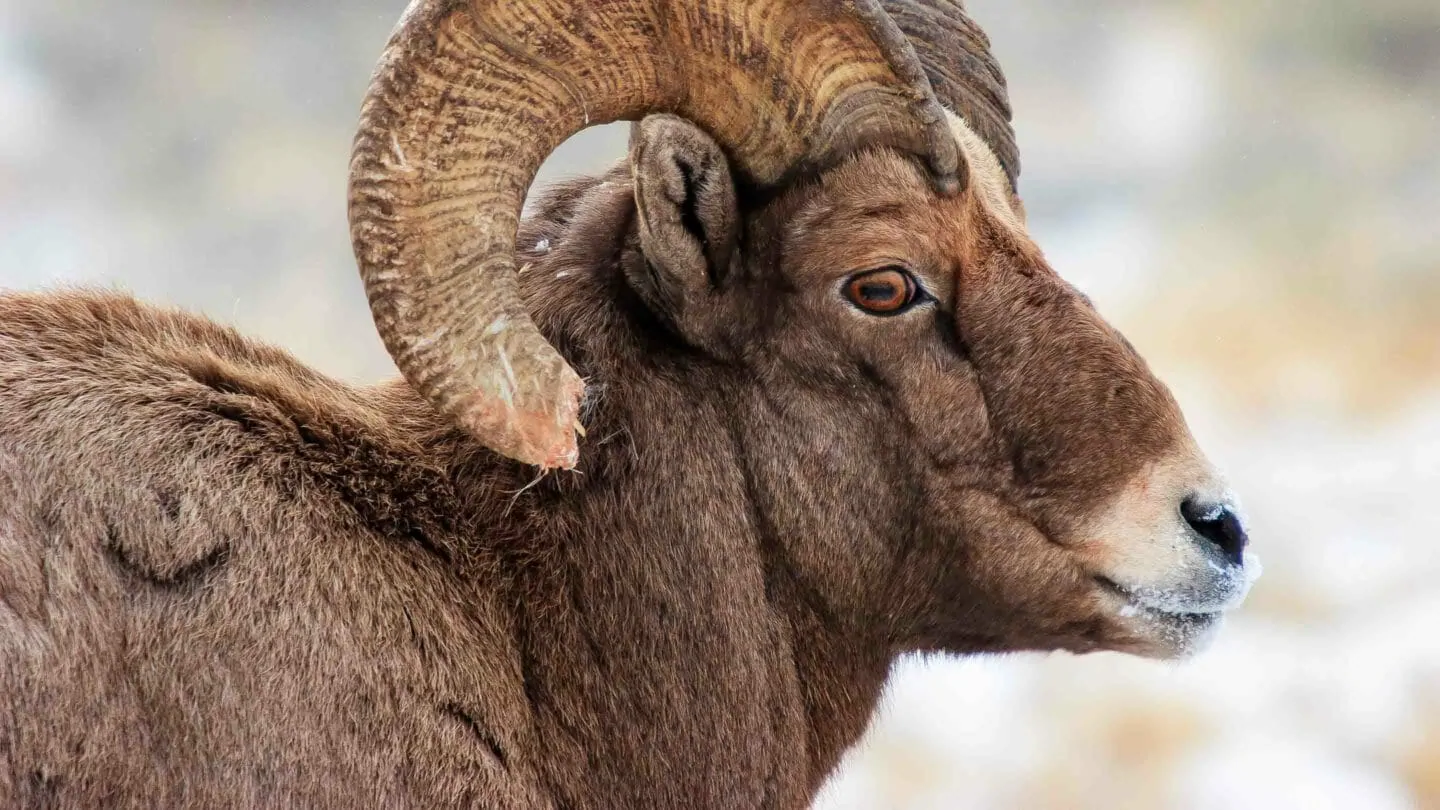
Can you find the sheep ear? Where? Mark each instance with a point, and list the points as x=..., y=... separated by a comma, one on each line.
x=686, y=210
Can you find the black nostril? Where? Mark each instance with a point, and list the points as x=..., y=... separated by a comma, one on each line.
x=1219, y=524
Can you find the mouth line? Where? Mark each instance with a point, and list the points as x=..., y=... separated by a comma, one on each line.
x=1135, y=606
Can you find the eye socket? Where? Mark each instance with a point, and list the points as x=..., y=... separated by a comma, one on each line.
x=886, y=291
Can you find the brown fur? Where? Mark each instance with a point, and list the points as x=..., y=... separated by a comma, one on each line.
x=228, y=581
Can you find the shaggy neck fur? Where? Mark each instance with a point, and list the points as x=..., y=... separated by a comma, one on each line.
x=704, y=610
x=237, y=569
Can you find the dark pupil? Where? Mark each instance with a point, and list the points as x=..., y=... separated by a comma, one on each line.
x=878, y=292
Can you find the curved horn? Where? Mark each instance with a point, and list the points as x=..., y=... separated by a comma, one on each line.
x=472, y=95
x=963, y=72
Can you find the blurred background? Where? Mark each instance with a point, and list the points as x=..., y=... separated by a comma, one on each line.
x=1250, y=190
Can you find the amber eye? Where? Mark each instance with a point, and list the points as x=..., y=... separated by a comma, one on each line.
x=887, y=291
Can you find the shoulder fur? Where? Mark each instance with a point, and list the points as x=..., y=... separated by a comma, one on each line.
x=161, y=414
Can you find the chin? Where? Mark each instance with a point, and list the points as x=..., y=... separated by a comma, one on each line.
x=1171, y=636
x=1165, y=632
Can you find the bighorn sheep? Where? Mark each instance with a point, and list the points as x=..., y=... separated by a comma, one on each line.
x=835, y=407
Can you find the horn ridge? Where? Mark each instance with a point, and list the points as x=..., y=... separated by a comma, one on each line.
x=471, y=96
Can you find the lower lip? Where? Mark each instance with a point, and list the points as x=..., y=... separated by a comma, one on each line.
x=1133, y=609
x=1188, y=621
